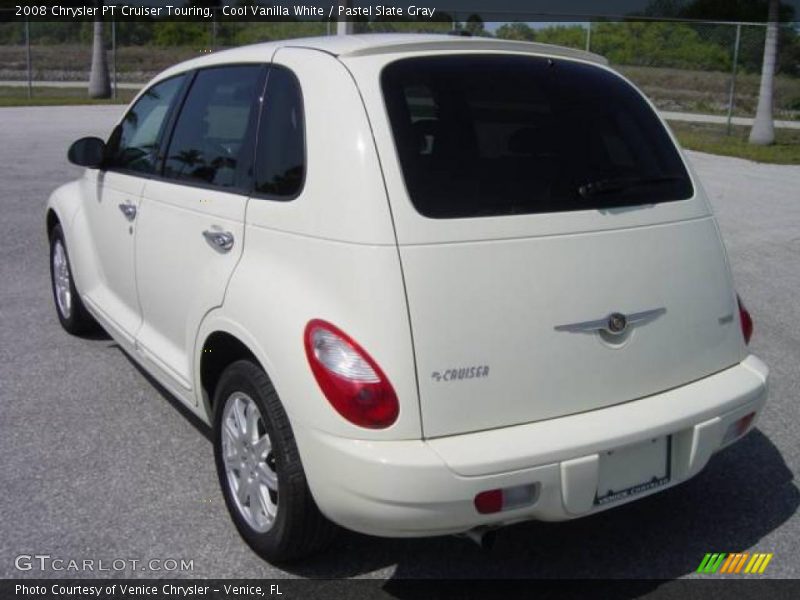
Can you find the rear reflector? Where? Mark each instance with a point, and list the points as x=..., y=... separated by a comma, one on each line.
x=738, y=428
x=746, y=320
x=493, y=501
x=490, y=501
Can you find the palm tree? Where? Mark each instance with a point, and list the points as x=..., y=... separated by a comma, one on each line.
x=763, y=132
x=99, y=84
x=343, y=26
x=188, y=158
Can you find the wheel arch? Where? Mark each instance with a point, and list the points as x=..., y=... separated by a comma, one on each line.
x=51, y=220
x=221, y=342
x=63, y=204
x=65, y=208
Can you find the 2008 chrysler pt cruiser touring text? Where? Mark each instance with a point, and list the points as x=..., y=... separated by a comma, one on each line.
x=419, y=285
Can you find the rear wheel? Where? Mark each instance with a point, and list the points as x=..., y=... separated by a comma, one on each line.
x=71, y=312
x=259, y=468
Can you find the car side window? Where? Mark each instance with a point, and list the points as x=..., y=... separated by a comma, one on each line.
x=210, y=143
x=280, y=151
x=134, y=143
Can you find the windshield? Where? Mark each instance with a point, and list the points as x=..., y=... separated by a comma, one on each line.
x=492, y=135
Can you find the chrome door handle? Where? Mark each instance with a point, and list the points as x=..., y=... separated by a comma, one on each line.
x=129, y=210
x=219, y=240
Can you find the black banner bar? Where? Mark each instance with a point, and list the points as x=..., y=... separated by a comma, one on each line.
x=700, y=587
x=746, y=11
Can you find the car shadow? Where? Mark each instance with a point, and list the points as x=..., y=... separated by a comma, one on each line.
x=744, y=493
x=193, y=419
x=97, y=334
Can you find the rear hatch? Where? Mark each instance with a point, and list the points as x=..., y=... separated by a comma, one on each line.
x=557, y=256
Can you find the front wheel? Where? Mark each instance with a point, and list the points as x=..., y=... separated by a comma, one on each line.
x=259, y=468
x=72, y=314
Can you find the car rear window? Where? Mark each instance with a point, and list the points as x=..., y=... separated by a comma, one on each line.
x=492, y=135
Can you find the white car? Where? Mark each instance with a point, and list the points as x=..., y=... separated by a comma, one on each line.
x=418, y=285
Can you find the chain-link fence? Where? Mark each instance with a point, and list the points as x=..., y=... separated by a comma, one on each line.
x=695, y=67
x=691, y=67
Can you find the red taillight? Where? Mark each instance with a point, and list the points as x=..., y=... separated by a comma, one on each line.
x=518, y=496
x=352, y=382
x=746, y=320
x=490, y=501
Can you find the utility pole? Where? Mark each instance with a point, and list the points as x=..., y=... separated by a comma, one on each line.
x=28, y=61
x=589, y=36
x=343, y=26
x=732, y=96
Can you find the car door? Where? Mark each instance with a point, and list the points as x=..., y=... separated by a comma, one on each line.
x=191, y=219
x=112, y=209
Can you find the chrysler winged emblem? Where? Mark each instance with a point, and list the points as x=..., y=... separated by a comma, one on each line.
x=615, y=324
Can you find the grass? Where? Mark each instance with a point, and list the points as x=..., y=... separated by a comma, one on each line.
x=49, y=96
x=707, y=91
x=712, y=138
x=71, y=61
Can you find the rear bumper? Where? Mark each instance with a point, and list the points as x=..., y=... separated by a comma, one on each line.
x=427, y=487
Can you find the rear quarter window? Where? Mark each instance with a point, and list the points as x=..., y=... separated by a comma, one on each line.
x=493, y=135
x=280, y=150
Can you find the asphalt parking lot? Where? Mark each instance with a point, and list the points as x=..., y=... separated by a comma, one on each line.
x=99, y=463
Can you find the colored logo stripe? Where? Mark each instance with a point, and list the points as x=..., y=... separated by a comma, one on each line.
x=758, y=563
x=710, y=563
x=734, y=563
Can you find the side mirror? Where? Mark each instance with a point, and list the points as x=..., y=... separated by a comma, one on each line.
x=87, y=152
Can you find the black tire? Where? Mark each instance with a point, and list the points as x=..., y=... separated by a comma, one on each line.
x=75, y=319
x=299, y=529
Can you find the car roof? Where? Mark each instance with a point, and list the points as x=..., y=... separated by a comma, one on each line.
x=381, y=43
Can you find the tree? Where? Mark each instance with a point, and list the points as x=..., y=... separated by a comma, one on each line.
x=516, y=31
x=99, y=83
x=345, y=26
x=180, y=33
x=763, y=131
x=474, y=25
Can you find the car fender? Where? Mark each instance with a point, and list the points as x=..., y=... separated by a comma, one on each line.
x=66, y=202
x=217, y=321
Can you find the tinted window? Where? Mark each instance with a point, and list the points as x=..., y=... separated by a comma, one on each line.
x=210, y=142
x=134, y=143
x=280, y=155
x=501, y=135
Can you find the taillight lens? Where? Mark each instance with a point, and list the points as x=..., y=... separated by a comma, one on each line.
x=746, y=320
x=490, y=501
x=518, y=496
x=352, y=382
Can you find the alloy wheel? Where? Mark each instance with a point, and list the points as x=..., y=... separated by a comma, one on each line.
x=61, y=280
x=249, y=462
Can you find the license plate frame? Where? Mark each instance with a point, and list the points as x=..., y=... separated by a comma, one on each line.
x=632, y=470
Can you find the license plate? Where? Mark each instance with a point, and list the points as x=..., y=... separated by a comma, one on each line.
x=632, y=470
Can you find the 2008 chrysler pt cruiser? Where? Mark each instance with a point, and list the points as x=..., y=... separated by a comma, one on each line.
x=418, y=284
